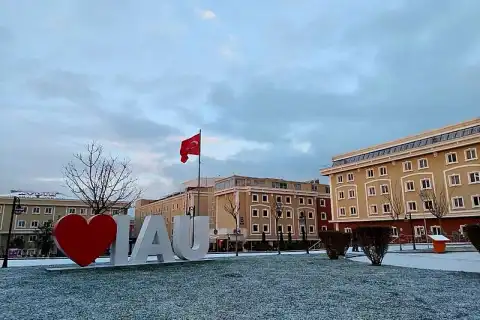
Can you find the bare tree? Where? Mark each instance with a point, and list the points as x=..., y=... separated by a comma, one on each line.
x=395, y=200
x=436, y=202
x=101, y=182
x=234, y=210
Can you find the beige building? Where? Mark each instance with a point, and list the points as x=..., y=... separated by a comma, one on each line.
x=256, y=198
x=39, y=208
x=439, y=162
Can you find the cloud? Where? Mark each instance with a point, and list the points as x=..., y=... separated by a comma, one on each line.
x=274, y=95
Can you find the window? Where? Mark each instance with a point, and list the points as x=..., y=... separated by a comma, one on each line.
x=422, y=164
x=407, y=166
x=32, y=238
x=301, y=200
x=34, y=224
x=323, y=216
x=410, y=186
x=370, y=173
x=353, y=211
x=255, y=228
x=264, y=197
x=71, y=210
x=114, y=211
x=48, y=210
x=454, y=180
x=471, y=154
x=339, y=179
x=427, y=205
x=350, y=177
x=255, y=213
x=289, y=229
x=394, y=232
x=384, y=188
x=280, y=229
x=351, y=194
x=311, y=229
x=254, y=197
x=476, y=201
x=36, y=210
x=426, y=184
x=20, y=223
x=288, y=200
x=382, y=171
x=266, y=228
x=461, y=229
x=451, y=157
x=278, y=199
x=324, y=228
x=457, y=203
x=474, y=177
x=373, y=209
x=341, y=212
x=436, y=230
x=341, y=195
x=46, y=222
x=310, y=201
x=310, y=215
x=265, y=213
x=288, y=214
x=84, y=211
x=322, y=202
x=386, y=208
x=412, y=206
x=371, y=191
x=419, y=231
x=347, y=230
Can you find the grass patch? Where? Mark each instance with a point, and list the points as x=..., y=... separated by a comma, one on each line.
x=268, y=287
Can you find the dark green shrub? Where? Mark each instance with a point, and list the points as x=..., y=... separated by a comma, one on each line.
x=374, y=241
x=336, y=243
x=473, y=234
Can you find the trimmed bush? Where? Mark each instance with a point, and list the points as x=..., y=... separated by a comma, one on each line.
x=374, y=241
x=473, y=234
x=336, y=243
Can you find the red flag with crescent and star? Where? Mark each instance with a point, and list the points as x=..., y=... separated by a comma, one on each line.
x=190, y=146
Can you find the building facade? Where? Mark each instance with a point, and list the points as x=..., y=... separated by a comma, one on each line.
x=256, y=201
x=440, y=166
x=38, y=209
x=324, y=213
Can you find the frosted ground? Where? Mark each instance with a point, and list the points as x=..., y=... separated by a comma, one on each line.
x=289, y=286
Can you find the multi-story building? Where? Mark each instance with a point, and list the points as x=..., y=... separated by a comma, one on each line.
x=179, y=203
x=443, y=163
x=38, y=209
x=324, y=212
x=256, y=201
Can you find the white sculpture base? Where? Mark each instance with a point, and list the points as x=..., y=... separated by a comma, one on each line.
x=110, y=266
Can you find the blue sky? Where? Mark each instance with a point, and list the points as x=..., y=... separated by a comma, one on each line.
x=278, y=87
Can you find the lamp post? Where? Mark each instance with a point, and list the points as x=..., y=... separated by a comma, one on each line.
x=191, y=213
x=16, y=209
x=278, y=215
x=408, y=216
x=303, y=223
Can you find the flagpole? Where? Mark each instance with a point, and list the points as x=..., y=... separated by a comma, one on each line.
x=198, y=187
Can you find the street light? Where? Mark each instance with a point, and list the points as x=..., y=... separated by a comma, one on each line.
x=16, y=209
x=278, y=215
x=191, y=213
x=408, y=216
x=303, y=223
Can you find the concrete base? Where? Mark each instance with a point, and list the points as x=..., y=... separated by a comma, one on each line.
x=109, y=266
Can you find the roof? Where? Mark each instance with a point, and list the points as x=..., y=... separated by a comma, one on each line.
x=52, y=195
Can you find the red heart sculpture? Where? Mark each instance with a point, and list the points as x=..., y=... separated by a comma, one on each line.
x=84, y=241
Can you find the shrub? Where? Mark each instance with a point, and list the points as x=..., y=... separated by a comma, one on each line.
x=473, y=234
x=374, y=241
x=336, y=243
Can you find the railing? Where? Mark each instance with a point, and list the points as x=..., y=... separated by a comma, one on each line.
x=316, y=246
x=454, y=237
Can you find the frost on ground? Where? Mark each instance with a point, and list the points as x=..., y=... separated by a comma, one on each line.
x=268, y=287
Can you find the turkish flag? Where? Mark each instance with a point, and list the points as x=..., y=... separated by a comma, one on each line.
x=190, y=146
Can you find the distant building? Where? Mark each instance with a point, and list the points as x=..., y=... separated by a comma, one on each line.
x=39, y=208
x=442, y=161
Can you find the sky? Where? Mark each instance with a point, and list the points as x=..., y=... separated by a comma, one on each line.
x=278, y=87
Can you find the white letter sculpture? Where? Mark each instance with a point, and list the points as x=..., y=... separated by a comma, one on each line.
x=152, y=241
x=182, y=239
x=119, y=249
